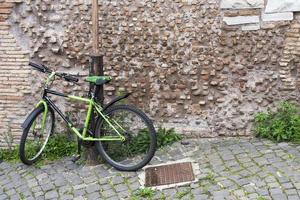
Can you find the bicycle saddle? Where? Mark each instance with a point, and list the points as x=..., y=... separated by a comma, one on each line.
x=98, y=80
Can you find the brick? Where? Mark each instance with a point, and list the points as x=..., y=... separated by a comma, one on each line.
x=9, y=97
x=3, y=17
x=246, y=12
x=6, y=5
x=231, y=13
x=4, y=28
x=14, y=1
x=17, y=52
x=4, y=24
x=7, y=40
x=7, y=55
x=249, y=12
x=5, y=11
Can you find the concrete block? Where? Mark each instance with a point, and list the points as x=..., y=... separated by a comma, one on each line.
x=242, y=4
x=241, y=20
x=275, y=6
x=277, y=16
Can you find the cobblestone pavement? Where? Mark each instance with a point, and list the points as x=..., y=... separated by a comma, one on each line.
x=230, y=169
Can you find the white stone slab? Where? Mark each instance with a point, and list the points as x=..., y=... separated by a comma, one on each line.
x=251, y=27
x=241, y=4
x=274, y=6
x=277, y=16
x=241, y=20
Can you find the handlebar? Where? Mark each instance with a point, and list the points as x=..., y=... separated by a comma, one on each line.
x=41, y=68
x=67, y=77
x=44, y=69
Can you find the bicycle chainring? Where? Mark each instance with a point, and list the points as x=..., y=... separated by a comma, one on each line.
x=87, y=143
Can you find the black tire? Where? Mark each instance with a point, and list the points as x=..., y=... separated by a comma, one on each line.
x=105, y=148
x=35, y=115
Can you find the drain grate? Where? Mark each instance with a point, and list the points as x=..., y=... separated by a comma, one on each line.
x=169, y=174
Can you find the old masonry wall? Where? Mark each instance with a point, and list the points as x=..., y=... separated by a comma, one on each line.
x=201, y=66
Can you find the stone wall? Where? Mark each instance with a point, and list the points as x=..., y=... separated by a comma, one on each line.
x=202, y=66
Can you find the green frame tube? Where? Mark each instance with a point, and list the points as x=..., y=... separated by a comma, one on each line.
x=44, y=103
x=91, y=104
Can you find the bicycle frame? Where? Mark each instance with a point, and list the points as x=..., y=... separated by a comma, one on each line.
x=46, y=101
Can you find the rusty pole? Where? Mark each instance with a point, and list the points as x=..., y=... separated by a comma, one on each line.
x=95, y=29
x=96, y=69
x=97, y=59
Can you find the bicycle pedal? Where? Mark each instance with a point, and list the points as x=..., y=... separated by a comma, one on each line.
x=75, y=158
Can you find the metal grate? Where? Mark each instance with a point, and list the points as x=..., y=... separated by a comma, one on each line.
x=169, y=174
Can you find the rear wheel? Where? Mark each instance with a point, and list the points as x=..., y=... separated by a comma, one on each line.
x=35, y=136
x=140, y=138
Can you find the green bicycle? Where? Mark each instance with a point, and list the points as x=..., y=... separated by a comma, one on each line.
x=123, y=135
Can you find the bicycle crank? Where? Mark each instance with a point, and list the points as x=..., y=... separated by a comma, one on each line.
x=87, y=143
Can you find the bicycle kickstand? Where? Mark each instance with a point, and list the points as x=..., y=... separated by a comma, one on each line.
x=78, y=156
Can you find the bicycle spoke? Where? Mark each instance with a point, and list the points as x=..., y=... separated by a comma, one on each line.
x=135, y=149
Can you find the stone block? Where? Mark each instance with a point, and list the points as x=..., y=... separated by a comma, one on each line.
x=277, y=16
x=241, y=20
x=275, y=6
x=241, y=4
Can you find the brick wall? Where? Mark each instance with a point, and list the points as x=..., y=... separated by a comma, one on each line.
x=14, y=79
x=289, y=62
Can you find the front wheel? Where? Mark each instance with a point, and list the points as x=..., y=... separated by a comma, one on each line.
x=140, y=138
x=36, y=135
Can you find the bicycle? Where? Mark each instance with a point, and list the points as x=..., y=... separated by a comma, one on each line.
x=123, y=135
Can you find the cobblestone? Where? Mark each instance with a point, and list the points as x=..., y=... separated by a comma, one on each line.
x=230, y=169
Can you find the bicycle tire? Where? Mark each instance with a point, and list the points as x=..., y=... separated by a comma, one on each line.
x=24, y=138
x=102, y=145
